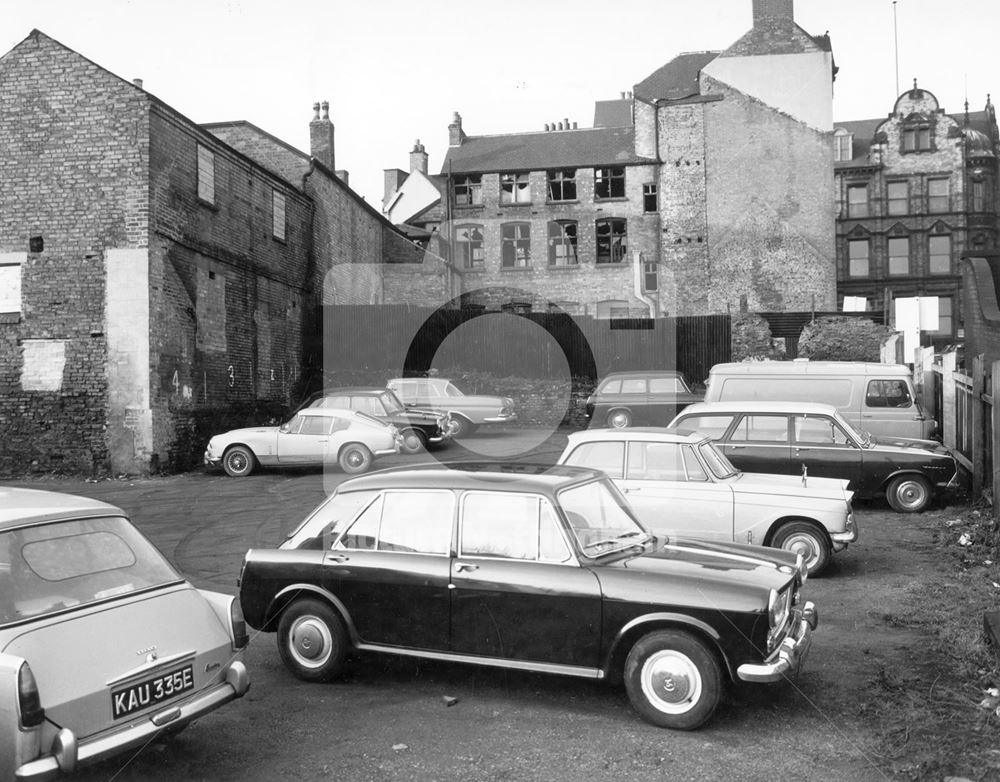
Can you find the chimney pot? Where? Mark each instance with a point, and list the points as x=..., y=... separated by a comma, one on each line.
x=321, y=135
x=574, y=126
x=326, y=110
x=316, y=110
x=137, y=83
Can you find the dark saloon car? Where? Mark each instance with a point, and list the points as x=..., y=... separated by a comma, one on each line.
x=418, y=428
x=643, y=398
x=814, y=439
x=529, y=568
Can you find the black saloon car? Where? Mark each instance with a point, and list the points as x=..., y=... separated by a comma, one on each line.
x=530, y=568
x=418, y=428
x=814, y=439
x=642, y=398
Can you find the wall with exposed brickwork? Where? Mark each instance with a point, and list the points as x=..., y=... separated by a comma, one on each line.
x=73, y=151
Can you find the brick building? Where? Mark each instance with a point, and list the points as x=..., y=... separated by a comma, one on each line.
x=707, y=187
x=915, y=189
x=159, y=279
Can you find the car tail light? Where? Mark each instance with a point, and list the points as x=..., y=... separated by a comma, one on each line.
x=240, y=636
x=28, y=701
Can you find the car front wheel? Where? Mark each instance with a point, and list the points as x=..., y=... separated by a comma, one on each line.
x=806, y=539
x=673, y=680
x=414, y=441
x=355, y=458
x=312, y=640
x=239, y=461
x=908, y=494
x=461, y=427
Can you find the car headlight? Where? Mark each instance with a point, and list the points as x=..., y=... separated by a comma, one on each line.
x=777, y=617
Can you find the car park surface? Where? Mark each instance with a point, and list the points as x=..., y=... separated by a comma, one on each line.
x=806, y=439
x=401, y=719
x=679, y=483
x=640, y=398
x=468, y=411
x=455, y=562
x=417, y=428
x=311, y=437
x=103, y=644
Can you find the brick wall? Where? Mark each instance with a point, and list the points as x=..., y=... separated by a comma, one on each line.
x=72, y=156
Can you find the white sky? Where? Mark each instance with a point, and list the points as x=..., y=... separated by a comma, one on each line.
x=395, y=70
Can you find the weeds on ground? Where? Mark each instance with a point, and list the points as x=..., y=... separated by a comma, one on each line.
x=941, y=716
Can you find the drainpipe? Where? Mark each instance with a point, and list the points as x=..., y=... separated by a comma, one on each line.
x=637, y=274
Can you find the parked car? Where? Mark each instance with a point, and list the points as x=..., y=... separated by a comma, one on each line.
x=814, y=439
x=878, y=398
x=467, y=412
x=311, y=437
x=679, y=483
x=103, y=644
x=646, y=398
x=418, y=428
x=528, y=568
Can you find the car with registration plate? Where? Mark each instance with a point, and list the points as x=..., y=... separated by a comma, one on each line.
x=418, y=429
x=313, y=437
x=528, y=567
x=467, y=411
x=803, y=438
x=680, y=484
x=103, y=644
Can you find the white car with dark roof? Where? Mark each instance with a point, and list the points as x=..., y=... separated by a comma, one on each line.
x=679, y=483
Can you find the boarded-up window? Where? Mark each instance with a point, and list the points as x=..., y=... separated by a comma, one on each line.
x=10, y=281
x=278, y=215
x=206, y=174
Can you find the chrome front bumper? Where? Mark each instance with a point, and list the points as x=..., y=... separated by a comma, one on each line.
x=849, y=535
x=68, y=753
x=788, y=657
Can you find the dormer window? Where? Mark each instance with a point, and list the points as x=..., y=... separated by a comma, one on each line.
x=843, y=146
x=916, y=134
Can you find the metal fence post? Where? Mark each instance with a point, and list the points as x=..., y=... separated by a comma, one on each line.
x=948, y=406
x=978, y=426
x=994, y=437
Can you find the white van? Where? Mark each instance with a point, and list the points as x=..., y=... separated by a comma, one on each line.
x=877, y=397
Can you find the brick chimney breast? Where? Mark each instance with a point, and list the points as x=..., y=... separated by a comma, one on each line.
x=321, y=135
x=455, y=134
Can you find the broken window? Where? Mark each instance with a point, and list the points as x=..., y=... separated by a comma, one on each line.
x=515, y=245
x=514, y=189
x=562, y=184
x=562, y=243
x=468, y=190
x=611, y=240
x=609, y=182
x=469, y=246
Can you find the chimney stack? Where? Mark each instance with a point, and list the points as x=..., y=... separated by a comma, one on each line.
x=767, y=12
x=455, y=134
x=321, y=135
x=418, y=158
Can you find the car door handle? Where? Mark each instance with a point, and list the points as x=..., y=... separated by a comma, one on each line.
x=736, y=447
x=463, y=566
x=338, y=558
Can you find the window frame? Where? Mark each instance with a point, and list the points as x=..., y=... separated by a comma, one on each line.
x=650, y=198
x=606, y=248
x=931, y=255
x=938, y=202
x=858, y=208
x=12, y=299
x=205, y=174
x=562, y=180
x=560, y=236
x=470, y=253
x=515, y=188
x=895, y=204
x=853, y=260
x=610, y=180
x=510, y=246
x=542, y=503
x=893, y=258
x=467, y=190
x=279, y=215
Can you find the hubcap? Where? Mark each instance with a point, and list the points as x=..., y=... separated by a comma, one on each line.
x=310, y=641
x=804, y=545
x=671, y=682
x=355, y=458
x=911, y=494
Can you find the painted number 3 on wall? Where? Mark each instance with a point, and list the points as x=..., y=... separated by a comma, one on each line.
x=232, y=376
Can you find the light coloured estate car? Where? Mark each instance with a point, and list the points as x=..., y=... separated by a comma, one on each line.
x=103, y=645
x=467, y=411
x=310, y=438
x=679, y=483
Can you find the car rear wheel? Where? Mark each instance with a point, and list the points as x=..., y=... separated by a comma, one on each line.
x=673, y=680
x=414, y=441
x=909, y=494
x=355, y=458
x=619, y=419
x=312, y=640
x=806, y=539
x=239, y=461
